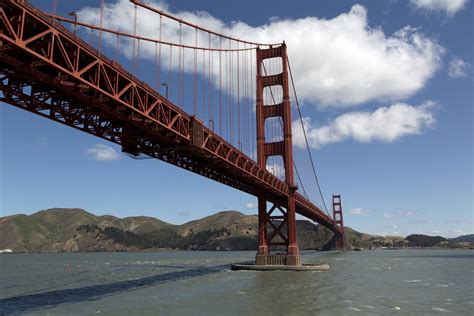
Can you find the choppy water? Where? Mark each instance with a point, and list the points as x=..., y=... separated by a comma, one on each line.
x=383, y=282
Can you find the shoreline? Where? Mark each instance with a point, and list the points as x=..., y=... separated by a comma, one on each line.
x=184, y=250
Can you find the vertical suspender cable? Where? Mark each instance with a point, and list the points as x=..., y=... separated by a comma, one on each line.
x=182, y=72
x=137, y=66
x=159, y=53
x=209, y=85
x=134, y=39
x=169, y=70
x=203, y=85
x=254, y=101
x=306, y=138
x=249, y=103
x=227, y=74
x=180, y=103
x=89, y=37
x=195, y=75
x=157, y=72
x=231, y=97
x=157, y=80
x=294, y=165
x=116, y=47
x=183, y=86
x=238, y=100
x=244, y=100
x=54, y=5
x=220, y=86
x=101, y=22
x=213, y=92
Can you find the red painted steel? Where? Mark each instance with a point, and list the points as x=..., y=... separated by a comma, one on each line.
x=282, y=148
x=48, y=70
x=141, y=38
x=337, y=216
x=195, y=26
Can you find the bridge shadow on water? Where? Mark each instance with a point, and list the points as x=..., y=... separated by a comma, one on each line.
x=31, y=302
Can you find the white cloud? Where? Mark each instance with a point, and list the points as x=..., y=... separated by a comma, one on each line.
x=337, y=62
x=394, y=233
x=102, y=152
x=251, y=205
x=358, y=211
x=276, y=169
x=450, y=7
x=184, y=213
x=397, y=214
x=457, y=232
x=395, y=226
x=458, y=68
x=386, y=124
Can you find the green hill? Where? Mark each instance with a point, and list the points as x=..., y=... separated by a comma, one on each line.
x=465, y=238
x=238, y=224
x=47, y=230
x=417, y=240
x=77, y=230
x=64, y=230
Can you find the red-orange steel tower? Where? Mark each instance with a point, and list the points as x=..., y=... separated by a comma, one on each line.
x=337, y=215
x=50, y=71
x=276, y=230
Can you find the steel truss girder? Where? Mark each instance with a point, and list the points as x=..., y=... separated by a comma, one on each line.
x=76, y=85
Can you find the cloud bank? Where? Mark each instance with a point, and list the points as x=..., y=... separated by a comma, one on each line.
x=386, y=124
x=251, y=205
x=101, y=152
x=338, y=62
x=458, y=68
x=397, y=214
x=450, y=7
x=358, y=211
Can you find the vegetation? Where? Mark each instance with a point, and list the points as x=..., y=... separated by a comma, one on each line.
x=169, y=238
x=164, y=238
x=424, y=241
x=465, y=238
x=126, y=238
x=62, y=230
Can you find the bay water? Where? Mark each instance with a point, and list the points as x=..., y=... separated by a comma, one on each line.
x=377, y=282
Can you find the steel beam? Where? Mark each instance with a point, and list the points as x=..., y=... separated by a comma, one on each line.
x=48, y=70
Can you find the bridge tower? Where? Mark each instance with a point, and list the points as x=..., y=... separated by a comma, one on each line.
x=337, y=216
x=277, y=226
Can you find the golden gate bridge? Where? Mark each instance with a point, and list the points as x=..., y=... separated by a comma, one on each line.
x=225, y=114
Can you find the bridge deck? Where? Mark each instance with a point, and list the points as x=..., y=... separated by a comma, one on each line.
x=47, y=70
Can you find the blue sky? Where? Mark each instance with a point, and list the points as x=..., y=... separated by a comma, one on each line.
x=387, y=96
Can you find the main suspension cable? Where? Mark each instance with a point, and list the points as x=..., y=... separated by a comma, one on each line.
x=142, y=38
x=172, y=17
x=305, y=137
x=281, y=123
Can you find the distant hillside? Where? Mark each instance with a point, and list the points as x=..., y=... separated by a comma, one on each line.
x=77, y=230
x=417, y=240
x=465, y=238
x=47, y=230
x=66, y=230
x=238, y=224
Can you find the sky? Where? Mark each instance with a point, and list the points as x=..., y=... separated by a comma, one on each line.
x=386, y=91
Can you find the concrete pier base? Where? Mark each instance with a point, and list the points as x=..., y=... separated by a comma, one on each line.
x=281, y=260
x=249, y=266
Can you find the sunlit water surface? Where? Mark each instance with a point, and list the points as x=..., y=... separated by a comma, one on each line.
x=382, y=282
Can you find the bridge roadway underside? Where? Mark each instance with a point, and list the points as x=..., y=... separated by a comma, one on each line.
x=47, y=70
